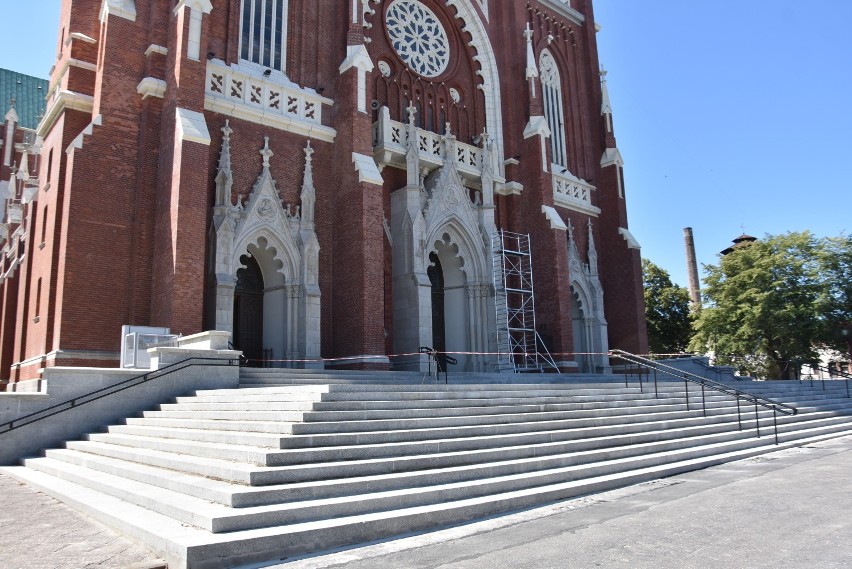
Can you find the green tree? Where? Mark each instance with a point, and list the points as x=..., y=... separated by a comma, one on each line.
x=764, y=306
x=835, y=258
x=666, y=311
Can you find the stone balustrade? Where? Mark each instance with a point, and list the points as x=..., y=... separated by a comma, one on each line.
x=571, y=192
x=390, y=144
x=246, y=92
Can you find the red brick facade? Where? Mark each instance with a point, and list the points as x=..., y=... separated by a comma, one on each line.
x=130, y=194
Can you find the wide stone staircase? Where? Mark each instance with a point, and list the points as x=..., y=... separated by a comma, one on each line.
x=296, y=462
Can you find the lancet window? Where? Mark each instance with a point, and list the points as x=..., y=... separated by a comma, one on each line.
x=263, y=37
x=554, y=110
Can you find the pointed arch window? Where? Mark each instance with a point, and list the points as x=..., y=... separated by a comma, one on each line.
x=554, y=109
x=263, y=35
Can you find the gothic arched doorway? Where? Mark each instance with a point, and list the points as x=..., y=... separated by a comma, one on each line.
x=439, y=328
x=580, y=328
x=248, y=310
x=451, y=325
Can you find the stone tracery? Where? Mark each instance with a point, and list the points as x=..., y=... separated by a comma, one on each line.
x=286, y=249
x=418, y=37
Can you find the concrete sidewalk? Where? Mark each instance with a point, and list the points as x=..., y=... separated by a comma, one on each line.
x=791, y=508
x=39, y=532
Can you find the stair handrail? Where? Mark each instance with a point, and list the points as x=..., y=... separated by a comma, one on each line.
x=832, y=372
x=243, y=359
x=740, y=395
x=437, y=357
x=98, y=394
x=715, y=369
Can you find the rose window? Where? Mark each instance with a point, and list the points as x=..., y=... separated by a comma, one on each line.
x=418, y=37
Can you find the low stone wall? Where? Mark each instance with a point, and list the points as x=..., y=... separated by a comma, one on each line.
x=701, y=367
x=60, y=384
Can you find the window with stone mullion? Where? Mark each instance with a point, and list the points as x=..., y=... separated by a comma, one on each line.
x=554, y=109
x=263, y=33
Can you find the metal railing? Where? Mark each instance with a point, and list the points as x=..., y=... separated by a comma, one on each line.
x=244, y=361
x=651, y=367
x=442, y=361
x=833, y=375
x=98, y=394
x=715, y=369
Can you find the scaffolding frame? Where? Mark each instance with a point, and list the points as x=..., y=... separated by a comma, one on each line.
x=518, y=342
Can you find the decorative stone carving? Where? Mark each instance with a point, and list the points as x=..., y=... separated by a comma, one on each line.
x=285, y=246
x=593, y=252
x=437, y=216
x=418, y=37
x=293, y=291
x=478, y=290
x=591, y=334
x=451, y=198
x=309, y=196
x=265, y=210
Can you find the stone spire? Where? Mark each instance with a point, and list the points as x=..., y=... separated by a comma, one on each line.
x=412, y=152
x=267, y=153
x=606, y=110
x=532, y=67
x=611, y=155
x=309, y=196
x=11, y=124
x=224, y=178
x=12, y=114
x=593, y=252
x=449, y=140
x=358, y=11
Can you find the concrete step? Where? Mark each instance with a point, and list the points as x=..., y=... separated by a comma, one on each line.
x=230, y=477
x=233, y=452
x=225, y=493
x=515, y=475
x=549, y=410
x=279, y=406
x=186, y=546
x=161, y=453
x=636, y=424
x=294, y=491
x=213, y=424
x=536, y=419
x=209, y=467
x=377, y=460
x=226, y=437
x=259, y=455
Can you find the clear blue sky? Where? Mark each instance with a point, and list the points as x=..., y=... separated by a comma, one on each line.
x=732, y=116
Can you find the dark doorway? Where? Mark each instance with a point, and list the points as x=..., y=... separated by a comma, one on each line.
x=439, y=332
x=248, y=311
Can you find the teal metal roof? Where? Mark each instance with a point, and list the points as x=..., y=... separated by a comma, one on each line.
x=29, y=93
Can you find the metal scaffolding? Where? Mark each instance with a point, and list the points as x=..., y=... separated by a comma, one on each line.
x=518, y=342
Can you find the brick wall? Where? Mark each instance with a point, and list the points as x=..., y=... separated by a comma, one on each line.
x=129, y=211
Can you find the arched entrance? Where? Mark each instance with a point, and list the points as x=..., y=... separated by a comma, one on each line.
x=589, y=327
x=248, y=310
x=442, y=288
x=264, y=262
x=582, y=340
x=587, y=307
x=439, y=328
x=453, y=330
